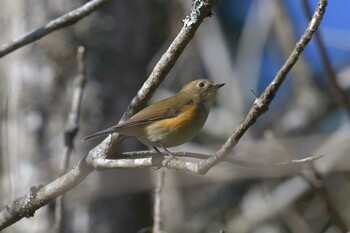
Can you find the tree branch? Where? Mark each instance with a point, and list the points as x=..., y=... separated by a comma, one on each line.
x=157, y=206
x=339, y=95
x=25, y=206
x=317, y=183
x=61, y=22
x=142, y=159
x=71, y=131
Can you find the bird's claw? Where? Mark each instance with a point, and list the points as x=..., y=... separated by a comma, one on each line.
x=168, y=160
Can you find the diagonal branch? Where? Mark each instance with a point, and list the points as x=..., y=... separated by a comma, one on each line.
x=339, y=94
x=26, y=205
x=317, y=183
x=71, y=131
x=61, y=22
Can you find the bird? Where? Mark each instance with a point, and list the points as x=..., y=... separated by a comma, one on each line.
x=172, y=121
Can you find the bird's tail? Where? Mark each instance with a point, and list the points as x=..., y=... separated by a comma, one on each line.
x=100, y=134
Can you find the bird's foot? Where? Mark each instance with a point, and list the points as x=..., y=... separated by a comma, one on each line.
x=168, y=160
x=157, y=162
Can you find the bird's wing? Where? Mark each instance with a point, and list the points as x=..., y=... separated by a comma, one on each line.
x=158, y=111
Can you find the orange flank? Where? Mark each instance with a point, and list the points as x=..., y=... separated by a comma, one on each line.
x=179, y=129
x=183, y=121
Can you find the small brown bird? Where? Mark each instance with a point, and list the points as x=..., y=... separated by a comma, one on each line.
x=172, y=121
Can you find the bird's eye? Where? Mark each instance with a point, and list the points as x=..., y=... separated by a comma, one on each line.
x=201, y=85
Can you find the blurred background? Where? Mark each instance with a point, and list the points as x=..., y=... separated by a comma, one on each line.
x=243, y=44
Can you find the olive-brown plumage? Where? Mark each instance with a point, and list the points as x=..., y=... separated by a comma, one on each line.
x=172, y=121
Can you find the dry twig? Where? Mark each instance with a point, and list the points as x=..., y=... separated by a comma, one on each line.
x=157, y=209
x=64, y=21
x=144, y=159
x=71, y=131
x=318, y=185
x=339, y=95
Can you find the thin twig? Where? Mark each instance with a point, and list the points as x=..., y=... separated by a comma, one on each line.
x=142, y=162
x=318, y=185
x=64, y=21
x=71, y=131
x=339, y=95
x=243, y=163
x=74, y=115
x=157, y=209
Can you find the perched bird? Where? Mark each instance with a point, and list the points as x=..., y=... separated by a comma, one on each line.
x=172, y=121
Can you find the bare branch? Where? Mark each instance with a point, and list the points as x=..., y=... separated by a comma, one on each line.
x=61, y=22
x=243, y=163
x=74, y=115
x=142, y=159
x=72, y=130
x=157, y=209
x=25, y=206
x=318, y=185
x=338, y=93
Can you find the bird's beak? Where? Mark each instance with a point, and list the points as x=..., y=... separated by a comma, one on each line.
x=219, y=85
